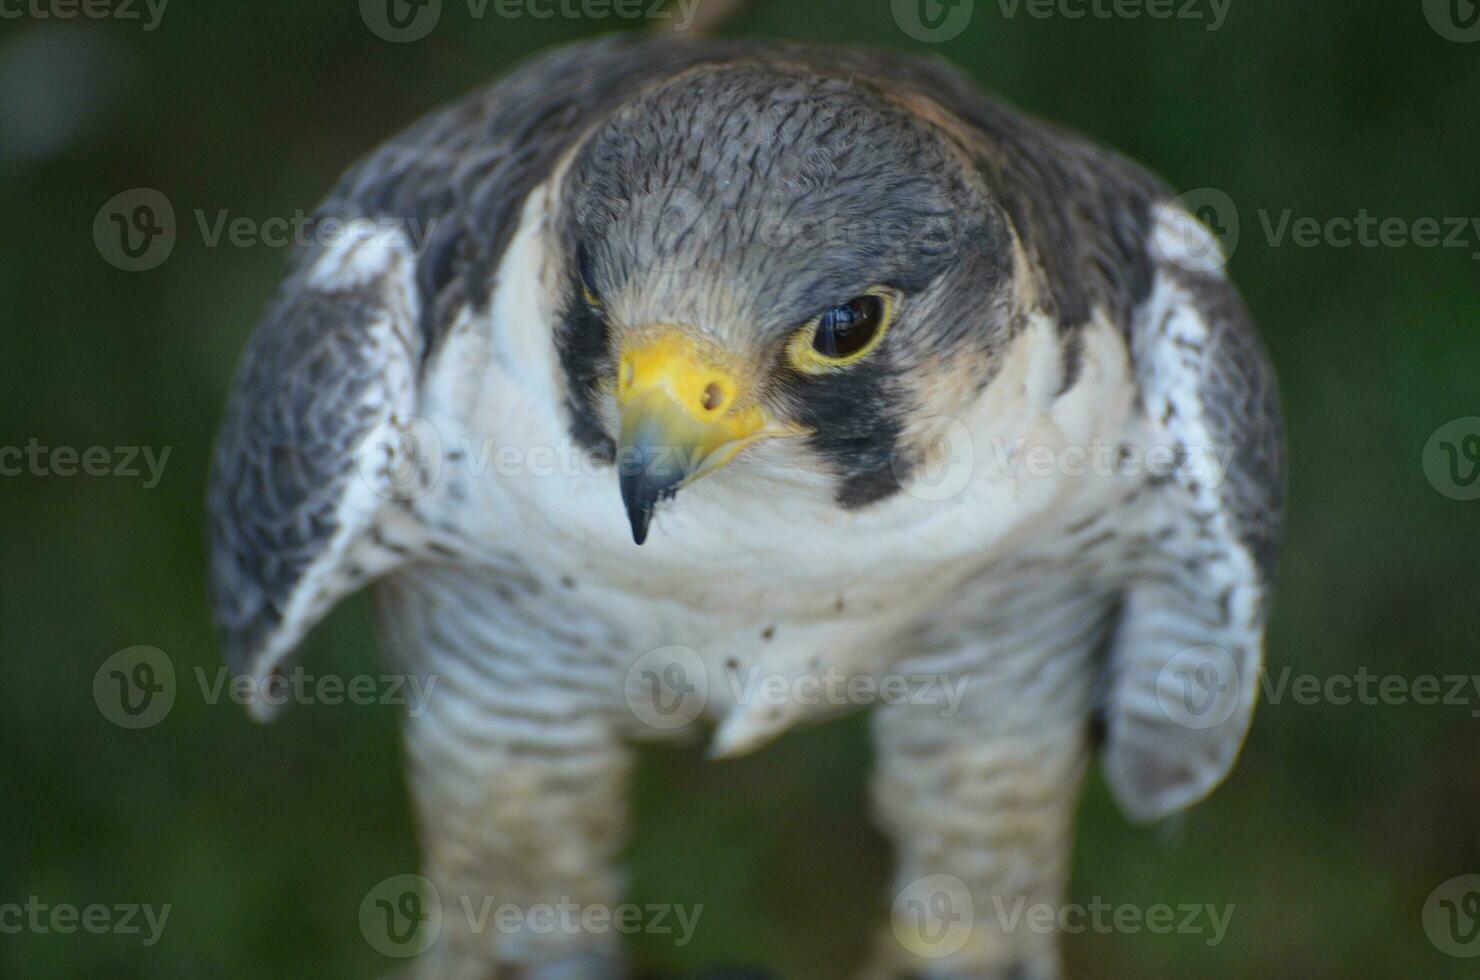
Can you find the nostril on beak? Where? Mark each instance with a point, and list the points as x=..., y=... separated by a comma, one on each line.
x=714, y=397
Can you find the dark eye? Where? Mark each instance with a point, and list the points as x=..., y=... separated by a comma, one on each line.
x=845, y=334
x=845, y=330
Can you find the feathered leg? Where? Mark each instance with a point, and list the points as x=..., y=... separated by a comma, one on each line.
x=520, y=789
x=979, y=799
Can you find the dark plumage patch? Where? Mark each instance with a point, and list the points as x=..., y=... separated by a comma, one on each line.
x=583, y=342
x=1103, y=652
x=857, y=417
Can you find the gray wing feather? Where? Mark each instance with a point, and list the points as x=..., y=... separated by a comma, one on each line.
x=296, y=487
x=1186, y=660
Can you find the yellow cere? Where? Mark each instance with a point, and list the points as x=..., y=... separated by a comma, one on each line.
x=697, y=379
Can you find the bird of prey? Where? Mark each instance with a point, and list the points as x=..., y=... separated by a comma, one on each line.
x=659, y=367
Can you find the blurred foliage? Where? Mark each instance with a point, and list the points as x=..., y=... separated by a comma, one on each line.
x=1333, y=830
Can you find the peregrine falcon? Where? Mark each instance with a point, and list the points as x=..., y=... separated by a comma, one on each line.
x=661, y=384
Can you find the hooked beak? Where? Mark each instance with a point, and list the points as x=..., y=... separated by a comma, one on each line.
x=686, y=412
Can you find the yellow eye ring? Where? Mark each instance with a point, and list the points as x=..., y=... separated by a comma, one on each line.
x=803, y=352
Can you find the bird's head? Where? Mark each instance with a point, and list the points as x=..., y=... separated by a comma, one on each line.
x=760, y=253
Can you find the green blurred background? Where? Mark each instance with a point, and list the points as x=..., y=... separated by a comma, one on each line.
x=1332, y=832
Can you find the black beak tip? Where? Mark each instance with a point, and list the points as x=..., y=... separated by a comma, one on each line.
x=640, y=517
x=642, y=491
x=641, y=499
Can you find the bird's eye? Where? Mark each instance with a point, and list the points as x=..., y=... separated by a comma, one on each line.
x=587, y=272
x=843, y=335
x=845, y=330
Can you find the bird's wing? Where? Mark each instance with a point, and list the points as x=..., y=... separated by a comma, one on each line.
x=307, y=463
x=1184, y=669
x=1183, y=665
x=311, y=473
